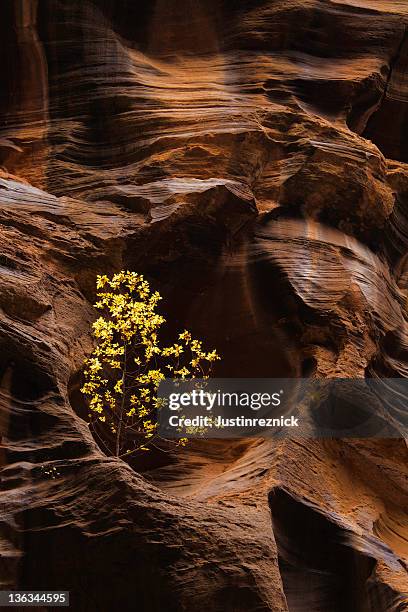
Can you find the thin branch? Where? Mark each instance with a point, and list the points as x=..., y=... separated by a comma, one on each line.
x=122, y=407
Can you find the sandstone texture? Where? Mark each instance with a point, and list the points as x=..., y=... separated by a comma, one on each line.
x=251, y=159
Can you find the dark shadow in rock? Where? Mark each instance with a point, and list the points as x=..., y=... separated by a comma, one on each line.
x=27, y=380
x=23, y=383
x=237, y=314
x=319, y=570
x=104, y=585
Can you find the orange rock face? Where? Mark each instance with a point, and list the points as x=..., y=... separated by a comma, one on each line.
x=250, y=158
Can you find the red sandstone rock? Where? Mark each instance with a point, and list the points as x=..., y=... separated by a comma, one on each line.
x=222, y=149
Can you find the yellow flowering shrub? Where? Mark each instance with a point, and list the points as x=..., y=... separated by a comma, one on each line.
x=128, y=363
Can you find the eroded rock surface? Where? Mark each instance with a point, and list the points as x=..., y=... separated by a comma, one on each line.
x=250, y=159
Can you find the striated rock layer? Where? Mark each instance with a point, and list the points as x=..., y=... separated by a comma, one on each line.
x=251, y=159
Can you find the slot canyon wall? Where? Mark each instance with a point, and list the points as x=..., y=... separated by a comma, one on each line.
x=250, y=157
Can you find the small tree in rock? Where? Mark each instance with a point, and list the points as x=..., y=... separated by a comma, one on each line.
x=128, y=363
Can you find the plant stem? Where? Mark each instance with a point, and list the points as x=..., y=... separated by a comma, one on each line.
x=122, y=407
